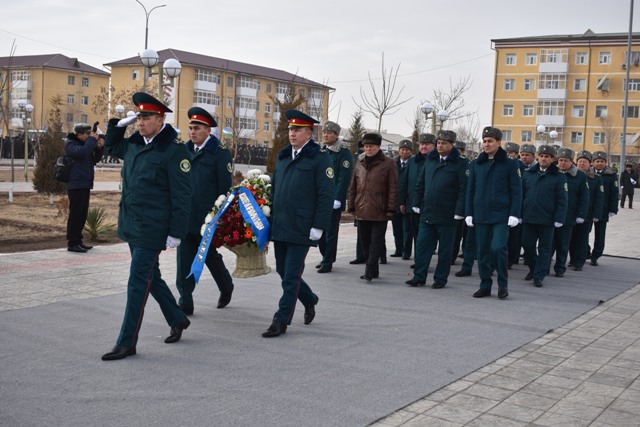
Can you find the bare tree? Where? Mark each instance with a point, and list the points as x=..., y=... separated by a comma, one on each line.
x=417, y=125
x=6, y=86
x=385, y=100
x=611, y=134
x=452, y=100
x=468, y=131
x=292, y=100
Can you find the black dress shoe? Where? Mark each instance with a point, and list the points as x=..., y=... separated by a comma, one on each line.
x=119, y=352
x=367, y=278
x=414, y=283
x=502, y=293
x=406, y=258
x=324, y=268
x=412, y=266
x=383, y=259
x=77, y=248
x=577, y=268
x=225, y=299
x=438, y=285
x=276, y=329
x=186, y=309
x=529, y=276
x=357, y=261
x=559, y=274
x=481, y=293
x=593, y=262
x=176, y=331
x=537, y=283
x=87, y=247
x=310, y=312
x=463, y=273
x=396, y=255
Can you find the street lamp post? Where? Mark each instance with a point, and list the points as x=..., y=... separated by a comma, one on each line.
x=146, y=35
x=542, y=130
x=27, y=109
x=429, y=110
x=171, y=67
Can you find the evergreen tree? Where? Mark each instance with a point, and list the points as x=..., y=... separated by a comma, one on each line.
x=356, y=131
x=51, y=147
x=292, y=100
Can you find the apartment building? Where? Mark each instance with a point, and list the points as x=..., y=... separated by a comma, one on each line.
x=37, y=79
x=239, y=95
x=571, y=84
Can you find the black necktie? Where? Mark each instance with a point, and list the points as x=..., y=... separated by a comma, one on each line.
x=197, y=149
x=295, y=153
x=403, y=165
x=442, y=159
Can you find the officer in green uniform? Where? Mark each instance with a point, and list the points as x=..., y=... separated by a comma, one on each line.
x=579, y=245
x=609, y=206
x=515, y=233
x=302, y=196
x=400, y=221
x=439, y=198
x=577, y=207
x=154, y=213
x=342, y=168
x=544, y=208
x=494, y=201
x=210, y=177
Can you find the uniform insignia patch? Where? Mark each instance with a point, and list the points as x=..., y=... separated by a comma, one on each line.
x=329, y=172
x=467, y=172
x=185, y=165
x=602, y=188
x=519, y=173
x=566, y=187
x=615, y=183
x=346, y=164
x=229, y=168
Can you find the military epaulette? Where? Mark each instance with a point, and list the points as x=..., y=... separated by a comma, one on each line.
x=324, y=149
x=178, y=141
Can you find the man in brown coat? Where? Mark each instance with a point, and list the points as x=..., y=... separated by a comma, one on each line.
x=372, y=199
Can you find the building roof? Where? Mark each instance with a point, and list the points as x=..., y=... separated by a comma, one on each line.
x=588, y=37
x=198, y=60
x=54, y=60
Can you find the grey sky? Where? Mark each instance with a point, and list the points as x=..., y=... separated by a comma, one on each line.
x=334, y=42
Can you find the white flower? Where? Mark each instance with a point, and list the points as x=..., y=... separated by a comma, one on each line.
x=265, y=178
x=204, y=227
x=208, y=218
x=254, y=173
x=266, y=210
x=220, y=200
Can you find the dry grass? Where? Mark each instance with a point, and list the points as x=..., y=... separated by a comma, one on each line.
x=102, y=174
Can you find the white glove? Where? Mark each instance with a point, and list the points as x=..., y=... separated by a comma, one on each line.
x=127, y=121
x=469, y=221
x=416, y=210
x=557, y=224
x=579, y=220
x=596, y=219
x=337, y=204
x=612, y=214
x=513, y=221
x=633, y=181
x=173, y=242
x=458, y=217
x=315, y=234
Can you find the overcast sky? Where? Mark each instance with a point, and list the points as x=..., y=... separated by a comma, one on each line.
x=333, y=42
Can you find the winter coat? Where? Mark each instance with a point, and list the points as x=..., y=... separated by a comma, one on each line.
x=611, y=196
x=577, y=195
x=545, y=196
x=373, y=195
x=408, y=180
x=342, y=167
x=84, y=156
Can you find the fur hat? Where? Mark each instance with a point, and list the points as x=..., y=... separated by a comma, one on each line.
x=491, y=132
x=427, y=138
x=512, y=146
x=447, y=135
x=547, y=149
x=331, y=127
x=600, y=155
x=81, y=128
x=406, y=143
x=460, y=145
x=528, y=148
x=566, y=153
x=584, y=154
x=372, y=138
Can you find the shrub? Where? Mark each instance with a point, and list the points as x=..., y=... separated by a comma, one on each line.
x=95, y=225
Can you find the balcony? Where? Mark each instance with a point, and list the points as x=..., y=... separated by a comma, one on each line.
x=247, y=133
x=248, y=92
x=21, y=84
x=246, y=113
x=552, y=94
x=276, y=117
x=208, y=86
x=554, y=67
x=553, y=121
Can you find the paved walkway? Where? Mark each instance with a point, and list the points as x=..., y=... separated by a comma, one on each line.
x=584, y=373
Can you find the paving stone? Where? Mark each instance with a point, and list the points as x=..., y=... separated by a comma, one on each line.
x=504, y=382
x=452, y=413
x=492, y=420
x=556, y=381
x=576, y=374
x=471, y=402
x=558, y=420
x=421, y=406
x=618, y=418
x=515, y=412
x=545, y=390
x=529, y=400
x=519, y=373
x=489, y=392
x=583, y=412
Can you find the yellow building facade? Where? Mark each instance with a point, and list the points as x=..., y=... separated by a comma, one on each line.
x=39, y=78
x=239, y=95
x=573, y=85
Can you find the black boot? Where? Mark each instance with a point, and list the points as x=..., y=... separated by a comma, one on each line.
x=276, y=329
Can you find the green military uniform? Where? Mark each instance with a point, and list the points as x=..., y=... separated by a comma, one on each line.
x=210, y=177
x=609, y=207
x=156, y=195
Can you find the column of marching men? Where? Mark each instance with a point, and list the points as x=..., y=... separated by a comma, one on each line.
x=543, y=201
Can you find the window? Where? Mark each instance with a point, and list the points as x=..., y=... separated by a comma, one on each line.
x=71, y=80
x=601, y=111
x=207, y=76
x=248, y=82
x=70, y=99
x=246, y=123
x=529, y=84
x=230, y=81
x=302, y=92
x=581, y=58
x=267, y=107
x=246, y=103
x=532, y=58
x=510, y=59
x=604, y=58
x=550, y=108
x=85, y=82
x=21, y=93
x=598, y=138
x=553, y=55
x=281, y=89
x=276, y=108
x=577, y=111
x=135, y=75
x=228, y=122
x=267, y=127
x=506, y=135
x=580, y=84
x=315, y=111
x=268, y=87
x=84, y=118
x=509, y=84
x=507, y=110
x=576, y=137
x=229, y=102
x=315, y=93
x=70, y=117
x=527, y=110
x=21, y=76
x=552, y=81
x=632, y=111
x=205, y=97
x=525, y=136
x=629, y=139
x=634, y=85
x=84, y=101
